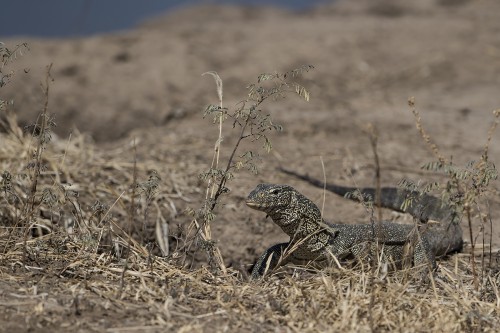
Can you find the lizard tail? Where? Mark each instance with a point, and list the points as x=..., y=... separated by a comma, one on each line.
x=424, y=207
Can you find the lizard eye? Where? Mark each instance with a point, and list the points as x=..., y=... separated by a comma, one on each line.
x=274, y=191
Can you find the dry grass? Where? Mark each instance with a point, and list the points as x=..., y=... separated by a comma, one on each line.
x=93, y=273
x=66, y=287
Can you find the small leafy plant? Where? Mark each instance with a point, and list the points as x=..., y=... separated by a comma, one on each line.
x=465, y=188
x=6, y=57
x=251, y=124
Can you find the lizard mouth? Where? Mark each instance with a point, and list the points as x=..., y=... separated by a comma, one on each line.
x=252, y=204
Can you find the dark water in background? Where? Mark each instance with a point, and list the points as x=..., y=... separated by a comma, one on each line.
x=65, y=18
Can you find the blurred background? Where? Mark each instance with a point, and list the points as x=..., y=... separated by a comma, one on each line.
x=62, y=18
x=131, y=66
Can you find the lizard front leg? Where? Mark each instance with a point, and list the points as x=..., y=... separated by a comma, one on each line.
x=269, y=260
x=423, y=254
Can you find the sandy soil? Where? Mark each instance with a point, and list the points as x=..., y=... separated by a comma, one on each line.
x=369, y=58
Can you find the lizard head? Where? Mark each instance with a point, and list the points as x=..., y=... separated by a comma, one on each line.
x=289, y=209
x=267, y=197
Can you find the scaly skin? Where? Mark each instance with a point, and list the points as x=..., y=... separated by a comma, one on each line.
x=447, y=235
x=312, y=240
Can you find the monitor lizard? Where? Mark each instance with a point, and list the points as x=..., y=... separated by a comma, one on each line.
x=313, y=240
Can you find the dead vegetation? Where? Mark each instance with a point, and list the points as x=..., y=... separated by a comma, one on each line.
x=84, y=257
x=94, y=237
x=64, y=286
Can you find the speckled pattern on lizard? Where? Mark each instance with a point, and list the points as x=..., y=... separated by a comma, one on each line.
x=314, y=241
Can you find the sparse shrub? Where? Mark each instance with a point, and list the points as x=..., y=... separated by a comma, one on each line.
x=465, y=188
x=6, y=57
x=250, y=123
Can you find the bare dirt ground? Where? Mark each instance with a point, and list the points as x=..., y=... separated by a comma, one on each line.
x=145, y=86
